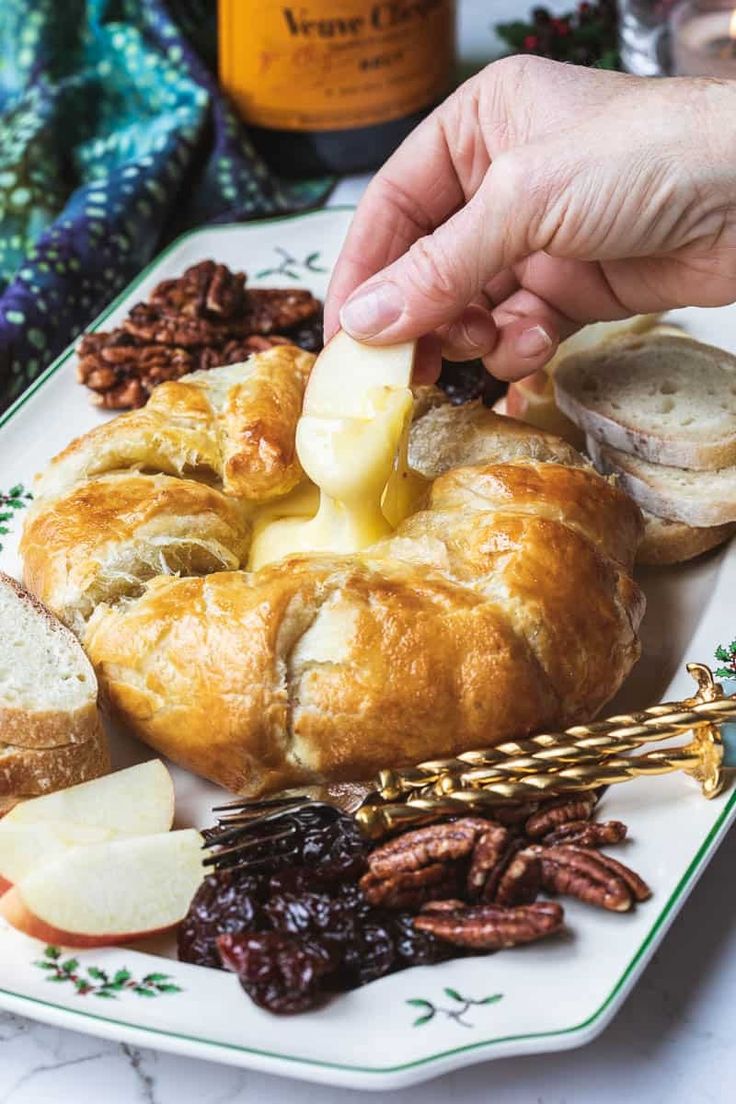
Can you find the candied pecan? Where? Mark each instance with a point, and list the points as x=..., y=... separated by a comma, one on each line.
x=273, y=310
x=436, y=843
x=520, y=881
x=559, y=811
x=150, y=326
x=266, y=311
x=491, y=927
x=204, y=288
x=578, y=873
x=489, y=855
x=123, y=371
x=127, y=395
x=409, y=889
x=587, y=833
x=450, y=904
x=638, y=887
x=235, y=351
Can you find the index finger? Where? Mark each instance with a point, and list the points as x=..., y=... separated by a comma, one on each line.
x=414, y=192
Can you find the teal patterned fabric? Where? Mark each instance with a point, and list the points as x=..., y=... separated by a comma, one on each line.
x=114, y=137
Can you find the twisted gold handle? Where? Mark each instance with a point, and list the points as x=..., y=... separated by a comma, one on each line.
x=582, y=757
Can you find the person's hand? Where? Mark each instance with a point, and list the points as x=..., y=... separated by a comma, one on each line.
x=537, y=198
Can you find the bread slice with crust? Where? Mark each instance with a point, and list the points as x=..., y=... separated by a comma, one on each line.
x=48, y=689
x=672, y=542
x=666, y=399
x=28, y=772
x=700, y=499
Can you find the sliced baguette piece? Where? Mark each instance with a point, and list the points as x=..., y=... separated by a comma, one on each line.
x=48, y=689
x=667, y=399
x=28, y=772
x=700, y=499
x=672, y=542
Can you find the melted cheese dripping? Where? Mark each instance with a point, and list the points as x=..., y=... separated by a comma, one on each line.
x=359, y=463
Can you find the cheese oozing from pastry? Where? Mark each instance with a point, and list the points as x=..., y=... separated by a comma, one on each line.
x=352, y=442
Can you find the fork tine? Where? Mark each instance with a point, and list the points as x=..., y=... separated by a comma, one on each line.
x=245, y=842
x=247, y=820
x=245, y=804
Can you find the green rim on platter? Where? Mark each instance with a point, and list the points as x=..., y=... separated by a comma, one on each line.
x=667, y=913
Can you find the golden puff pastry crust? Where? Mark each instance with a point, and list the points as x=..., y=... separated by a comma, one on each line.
x=235, y=425
x=504, y=604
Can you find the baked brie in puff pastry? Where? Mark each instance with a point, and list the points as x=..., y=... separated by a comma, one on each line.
x=490, y=595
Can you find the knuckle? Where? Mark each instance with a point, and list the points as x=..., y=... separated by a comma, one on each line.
x=433, y=273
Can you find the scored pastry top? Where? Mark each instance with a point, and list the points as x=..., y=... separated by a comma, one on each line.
x=502, y=603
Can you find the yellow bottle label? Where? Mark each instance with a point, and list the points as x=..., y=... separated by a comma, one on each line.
x=334, y=64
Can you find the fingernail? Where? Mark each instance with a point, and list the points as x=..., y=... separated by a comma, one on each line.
x=533, y=342
x=474, y=333
x=372, y=309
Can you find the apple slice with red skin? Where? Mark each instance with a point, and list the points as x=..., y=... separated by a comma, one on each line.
x=108, y=893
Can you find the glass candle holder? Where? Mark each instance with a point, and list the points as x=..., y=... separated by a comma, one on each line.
x=643, y=38
x=703, y=38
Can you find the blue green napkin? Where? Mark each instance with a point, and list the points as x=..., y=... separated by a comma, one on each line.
x=114, y=137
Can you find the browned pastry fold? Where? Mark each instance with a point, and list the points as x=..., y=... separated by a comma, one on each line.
x=503, y=605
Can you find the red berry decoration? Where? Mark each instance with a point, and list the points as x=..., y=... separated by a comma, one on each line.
x=586, y=35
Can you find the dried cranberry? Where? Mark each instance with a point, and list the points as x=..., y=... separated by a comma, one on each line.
x=416, y=948
x=332, y=877
x=371, y=954
x=226, y=902
x=277, y=972
x=312, y=914
x=307, y=335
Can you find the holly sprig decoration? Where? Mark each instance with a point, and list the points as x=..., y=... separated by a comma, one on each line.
x=10, y=501
x=99, y=983
x=457, y=1011
x=587, y=35
x=726, y=656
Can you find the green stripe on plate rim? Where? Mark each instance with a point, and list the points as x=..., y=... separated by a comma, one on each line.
x=689, y=876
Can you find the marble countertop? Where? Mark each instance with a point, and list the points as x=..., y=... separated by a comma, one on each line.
x=670, y=1043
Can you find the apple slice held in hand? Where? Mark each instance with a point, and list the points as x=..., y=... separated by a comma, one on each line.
x=108, y=893
x=347, y=373
x=138, y=801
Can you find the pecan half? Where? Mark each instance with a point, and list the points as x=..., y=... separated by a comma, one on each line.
x=491, y=927
x=578, y=873
x=436, y=843
x=559, y=811
x=639, y=888
x=409, y=889
x=204, y=288
x=488, y=856
x=587, y=833
x=520, y=882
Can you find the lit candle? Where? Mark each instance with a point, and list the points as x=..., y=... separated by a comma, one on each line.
x=704, y=39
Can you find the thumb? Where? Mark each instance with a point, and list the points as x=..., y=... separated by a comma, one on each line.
x=441, y=273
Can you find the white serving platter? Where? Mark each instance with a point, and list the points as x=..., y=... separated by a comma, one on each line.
x=550, y=996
